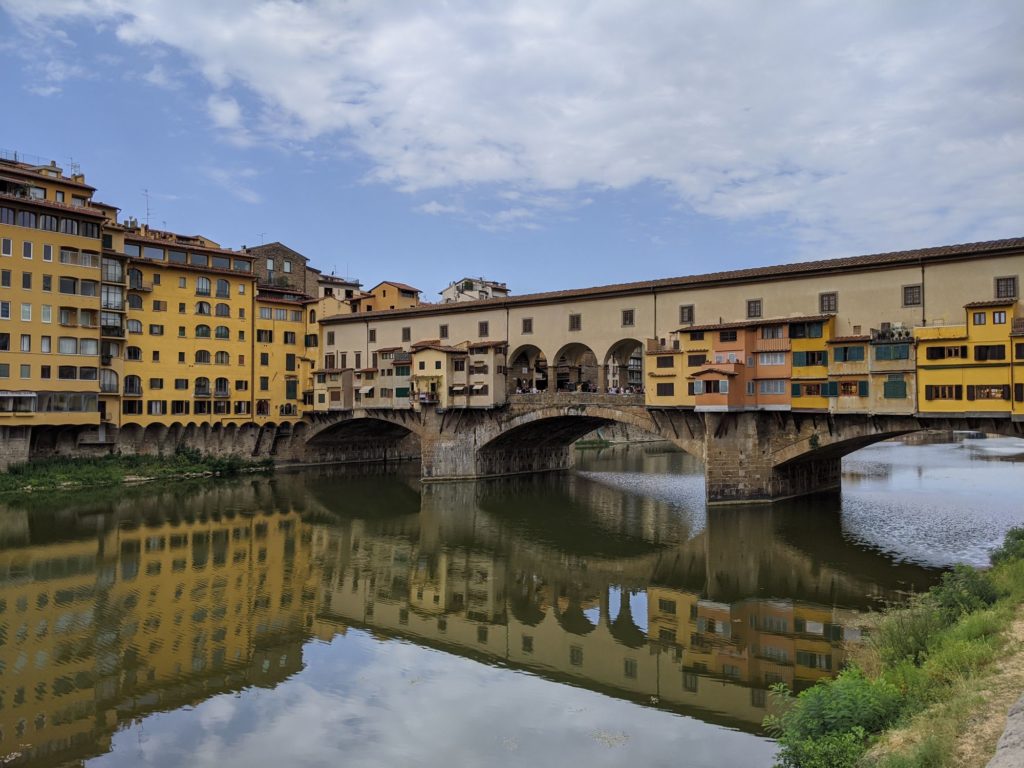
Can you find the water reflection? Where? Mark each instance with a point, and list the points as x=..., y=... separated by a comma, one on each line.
x=148, y=600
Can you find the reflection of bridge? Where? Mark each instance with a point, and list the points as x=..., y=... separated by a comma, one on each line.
x=154, y=599
x=753, y=455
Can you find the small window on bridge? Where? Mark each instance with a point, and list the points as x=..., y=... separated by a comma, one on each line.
x=666, y=389
x=575, y=322
x=627, y=317
x=665, y=361
x=686, y=313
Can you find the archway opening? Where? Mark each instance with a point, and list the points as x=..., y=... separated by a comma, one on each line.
x=623, y=367
x=528, y=371
x=576, y=369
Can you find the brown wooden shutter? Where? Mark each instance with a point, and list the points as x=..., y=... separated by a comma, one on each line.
x=1006, y=391
x=970, y=391
x=959, y=391
x=929, y=392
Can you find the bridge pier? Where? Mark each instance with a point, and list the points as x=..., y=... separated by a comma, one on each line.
x=741, y=458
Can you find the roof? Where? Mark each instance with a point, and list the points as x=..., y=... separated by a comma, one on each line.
x=756, y=323
x=32, y=172
x=387, y=349
x=400, y=286
x=777, y=272
x=78, y=210
x=844, y=339
x=990, y=303
x=439, y=348
x=487, y=344
x=711, y=369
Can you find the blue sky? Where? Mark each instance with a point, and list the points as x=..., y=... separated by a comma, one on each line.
x=548, y=145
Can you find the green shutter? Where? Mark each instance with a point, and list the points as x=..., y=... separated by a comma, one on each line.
x=883, y=352
x=970, y=391
x=855, y=354
x=840, y=354
x=291, y=389
x=814, y=330
x=862, y=388
x=824, y=357
x=897, y=390
x=796, y=389
x=401, y=391
x=799, y=359
x=901, y=352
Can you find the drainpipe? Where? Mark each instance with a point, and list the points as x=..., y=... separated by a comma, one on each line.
x=924, y=301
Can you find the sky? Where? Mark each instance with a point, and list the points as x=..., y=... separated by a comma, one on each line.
x=547, y=145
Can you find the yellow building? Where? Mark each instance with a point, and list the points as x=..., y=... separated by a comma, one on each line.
x=188, y=340
x=50, y=297
x=282, y=368
x=809, y=344
x=970, y=368
x=670, y=364
x=385, y=296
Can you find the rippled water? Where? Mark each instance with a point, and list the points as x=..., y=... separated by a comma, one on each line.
x=319, y=619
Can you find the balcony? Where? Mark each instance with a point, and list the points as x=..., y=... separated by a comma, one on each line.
x=139, y=285
x=772, y=345
x=1018, y=326
x=221, y=393
x=201, y=393
x=112, y=331
x=133, y=391
x=112, y=305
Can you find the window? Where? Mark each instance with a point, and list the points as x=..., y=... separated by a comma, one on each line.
x=6, y=245
x=912, y=295
x=26, y=312
x=848, y=354
x=202, y=357
x=289, y=337
x=813, y=357
x=26, y=250
x=264, y=358
x=628, y=316
x=828, y=302
x=664, y=361
x=5, y=310
x=1006, y=287
x=47, y=283
x=575, y=322
x=442, y=331
x=222, y=332
x=771, y=387
x=892, y=352
x=894, y=388
x=771, y=358
x=727, y=336
x=483, y=329
x=45, y=344
x=26, y=281
x=47, y=253
x=222, y=358
x=695, y=360
x=223, y=310
x=998, y=318
x=686, y=314
x=156, y=330
x=156, y=383
x=943, y=392
x=26, y=342
x=202, y=286
x=131, y=353
x=264, y=383
x=666, y=389
x=264, y=336
x=978, y=318
x=68, y=285
x=202, y=331
x=754, y=308
x=266, y=313
x=771, y=332
x=407, y=334
x=223, y=289
x=983, y=352
x=287, y=266
x=202, y=308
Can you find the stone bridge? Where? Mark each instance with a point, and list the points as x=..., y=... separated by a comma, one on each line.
x=748, y=456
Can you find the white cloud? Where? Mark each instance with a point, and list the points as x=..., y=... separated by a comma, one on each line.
x=434, y=208
x=855, y=126
x=234, y=181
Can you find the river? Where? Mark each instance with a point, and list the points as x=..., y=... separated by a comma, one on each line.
x=602, y=617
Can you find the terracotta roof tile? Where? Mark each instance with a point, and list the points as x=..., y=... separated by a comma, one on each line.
x=990, y=303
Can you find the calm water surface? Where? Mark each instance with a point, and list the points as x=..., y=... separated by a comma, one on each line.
x=603, y=617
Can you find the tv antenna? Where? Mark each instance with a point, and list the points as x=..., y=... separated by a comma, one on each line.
x=145, y=194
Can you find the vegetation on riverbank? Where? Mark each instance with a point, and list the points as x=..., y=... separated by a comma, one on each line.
x=65, y=473
x=916, y=682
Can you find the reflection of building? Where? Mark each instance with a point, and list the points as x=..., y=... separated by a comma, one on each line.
x=99, y=630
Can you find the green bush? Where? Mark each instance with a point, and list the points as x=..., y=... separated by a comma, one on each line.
x=963, y=590
x=849, y=700
x=1012, y=547
x=834, y=750
x=904, y=633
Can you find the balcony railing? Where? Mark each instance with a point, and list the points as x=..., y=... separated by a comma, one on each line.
x=112, y=331
x=202, y=393
x=139, y=285
x=133, y=391
x=221, y=393
x=1018, y=325
x=772, y=345
x=114, y=304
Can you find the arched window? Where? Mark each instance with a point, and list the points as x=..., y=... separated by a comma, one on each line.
x=134, y=326
x=202, y=307
x=108, y=380
x=223, y=310
x=134, y=278
x=220, y=386
x=132, y=385
x=134, y=301
x=26, y=219
x=312, y=315
x=202, y=331
x=222, y=358
x=202, y=386
x=202, y=357
x=222, y=332
x=133, y=353
x=223, y=289
x=202, y=286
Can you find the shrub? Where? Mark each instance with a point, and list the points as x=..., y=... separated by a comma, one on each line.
x=963, y=590
x=1012, y=547
x=904, y=633
x=835, y=750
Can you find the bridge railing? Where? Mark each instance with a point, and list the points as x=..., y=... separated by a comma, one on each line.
x=544, y=399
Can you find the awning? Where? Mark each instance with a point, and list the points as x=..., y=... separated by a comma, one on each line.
x=365, y=390
x=477, y=387
x=17, y=394
x=458, y=388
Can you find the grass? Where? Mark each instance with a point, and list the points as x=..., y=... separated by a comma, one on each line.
x=922, y=683
x=61, y=473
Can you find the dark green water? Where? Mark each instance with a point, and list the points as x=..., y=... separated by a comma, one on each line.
x=603, y=617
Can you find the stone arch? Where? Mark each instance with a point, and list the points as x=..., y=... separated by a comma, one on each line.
x=616, y=368
x=152, y=438
x=825, y=438
x=528, y=369
x=370, y=438
x=574, y=366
